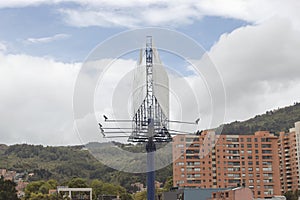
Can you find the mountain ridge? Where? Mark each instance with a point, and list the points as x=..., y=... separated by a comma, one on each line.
x=277, y=120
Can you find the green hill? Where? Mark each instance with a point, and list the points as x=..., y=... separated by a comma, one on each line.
x=65, y=163
x=274, y=121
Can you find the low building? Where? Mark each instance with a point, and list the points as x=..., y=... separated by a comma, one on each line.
x=233, y=194
x=189, y=194
x=75, y=192
x=208, y=194
x=21, y=185
x=8, y=175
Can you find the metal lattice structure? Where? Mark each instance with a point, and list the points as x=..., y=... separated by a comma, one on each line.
x=150, y=115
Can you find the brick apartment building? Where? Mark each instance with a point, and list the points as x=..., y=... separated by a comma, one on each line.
x=289, y=148
x=207, y=160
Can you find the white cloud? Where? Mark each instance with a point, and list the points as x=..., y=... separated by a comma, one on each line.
x=174, y=13
x=139, y=13
x=3, y=47
x=47, y=39
x=36, y=100
x=260, y=67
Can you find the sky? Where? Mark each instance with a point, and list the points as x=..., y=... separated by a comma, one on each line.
x=254, y=45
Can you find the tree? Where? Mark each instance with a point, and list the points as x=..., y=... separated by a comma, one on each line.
x=140, y=195
x=78, y=183
x=7, y=189
x=126, y=196
x=168, y=184
x=53, y=183
x=290, y=196
x=97, y=187
x=33, y=188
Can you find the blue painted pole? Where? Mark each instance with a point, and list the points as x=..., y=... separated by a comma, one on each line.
x=150, y=176
x=150, y=148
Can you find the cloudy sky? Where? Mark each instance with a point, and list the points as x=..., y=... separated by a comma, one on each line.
x=253, y=44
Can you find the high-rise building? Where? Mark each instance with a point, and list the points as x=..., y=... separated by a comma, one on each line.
x=288, y=152
x=207, y=160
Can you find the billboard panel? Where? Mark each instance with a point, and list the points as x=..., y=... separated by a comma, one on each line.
x=160, y=83
x=139, y=84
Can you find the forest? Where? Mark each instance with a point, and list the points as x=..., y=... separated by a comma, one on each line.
x=66, y=162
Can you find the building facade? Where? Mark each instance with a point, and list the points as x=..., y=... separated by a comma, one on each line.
x=207, y=160
x=288, y=144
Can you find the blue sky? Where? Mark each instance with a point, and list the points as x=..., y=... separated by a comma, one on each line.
x=19, y=25
x=253, y=44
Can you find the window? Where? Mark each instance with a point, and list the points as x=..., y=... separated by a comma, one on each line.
x=267, y=163
x=267, y=151
x=267, y=157
x=268, y=175
x=266, y=146
x=248, y=139
x=189, y=139
x=267, y=169
x=249, y=145
x=232, y=139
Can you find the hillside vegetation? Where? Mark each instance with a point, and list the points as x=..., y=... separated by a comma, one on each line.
x=274, y=121
x=65, y=163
